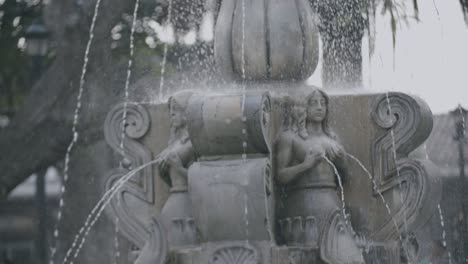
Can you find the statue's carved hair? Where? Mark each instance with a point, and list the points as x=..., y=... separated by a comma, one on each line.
x=287, y=105
x=293, y=115
x=180, y=99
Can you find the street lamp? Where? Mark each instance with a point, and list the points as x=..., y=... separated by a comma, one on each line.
x=37, y=46
x=37, y=39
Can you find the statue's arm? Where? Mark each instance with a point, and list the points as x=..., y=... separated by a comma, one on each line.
x=175, y=162
x=182, y=170
x=285, y=155
x=182, y=159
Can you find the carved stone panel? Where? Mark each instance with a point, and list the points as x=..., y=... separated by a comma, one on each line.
x=230, y=199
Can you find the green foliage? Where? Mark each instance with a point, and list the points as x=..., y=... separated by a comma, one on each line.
x=147, y=48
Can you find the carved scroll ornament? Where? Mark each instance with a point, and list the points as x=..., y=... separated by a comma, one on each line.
x=407, y=123
x=134, y=154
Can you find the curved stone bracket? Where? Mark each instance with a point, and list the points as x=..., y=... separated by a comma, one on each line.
x=139, y=189
x=406, y=122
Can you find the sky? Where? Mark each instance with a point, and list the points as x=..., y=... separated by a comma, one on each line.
x=430, y=58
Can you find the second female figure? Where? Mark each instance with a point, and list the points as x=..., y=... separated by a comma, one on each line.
x=307, y=155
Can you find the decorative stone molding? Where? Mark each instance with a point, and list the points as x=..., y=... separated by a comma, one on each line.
x=240, y=254
x=230, y=193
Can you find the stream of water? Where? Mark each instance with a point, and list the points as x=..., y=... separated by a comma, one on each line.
x=340, y=184
x=444, y=234
x=379, y=193
x=75, y=134
x=124, y=115
x=96, y=212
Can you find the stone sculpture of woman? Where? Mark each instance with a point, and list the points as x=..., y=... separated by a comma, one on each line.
x=175, y=160
x=174, y=226
x=312, y=212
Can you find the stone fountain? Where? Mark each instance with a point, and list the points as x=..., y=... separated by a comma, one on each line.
x=277, y=172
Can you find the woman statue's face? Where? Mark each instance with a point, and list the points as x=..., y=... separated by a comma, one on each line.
x=316, y=107
x=177, y=119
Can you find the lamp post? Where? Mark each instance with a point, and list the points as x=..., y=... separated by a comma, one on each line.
x=460, y=117
x=37, y=44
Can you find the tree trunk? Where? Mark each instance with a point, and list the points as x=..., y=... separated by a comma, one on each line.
x=41, y=130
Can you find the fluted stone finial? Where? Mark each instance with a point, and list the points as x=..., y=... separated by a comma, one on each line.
x=266, y=40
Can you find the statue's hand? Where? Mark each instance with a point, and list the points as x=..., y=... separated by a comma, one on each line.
x=163, y=166
x=174, y=160
x=170, y=159
x=312, y=158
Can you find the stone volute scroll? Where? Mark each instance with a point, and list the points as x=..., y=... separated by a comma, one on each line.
x=133, y=200
x=138, y=192
x=407, y=123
